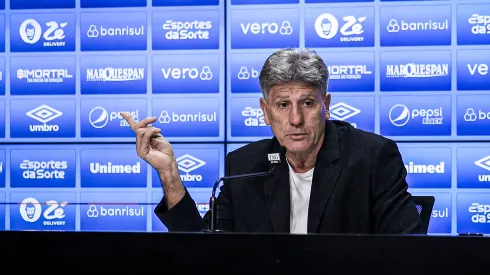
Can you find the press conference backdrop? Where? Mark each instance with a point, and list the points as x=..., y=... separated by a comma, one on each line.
x=414, y=71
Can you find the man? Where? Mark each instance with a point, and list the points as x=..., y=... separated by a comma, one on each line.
x=336, y=179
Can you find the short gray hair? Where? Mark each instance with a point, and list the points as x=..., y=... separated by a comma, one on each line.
x=293, y=65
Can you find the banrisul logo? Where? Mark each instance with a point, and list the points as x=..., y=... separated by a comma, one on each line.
x=48, y=168
x=339, y=27
x=42, y=119
x=415, y=71
x=43, y=32
x=188, y=118
x=121, y=74
x=266, y=28
x=114, y=31
x=244, y=72
x=43, y=211
x=113, y=211
x=415, y=25
x=199, y=167
x=186, y=74
x=191, y=30
x=473, y=115
x=109, y=168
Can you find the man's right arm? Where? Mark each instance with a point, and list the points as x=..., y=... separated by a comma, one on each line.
x=178, y=211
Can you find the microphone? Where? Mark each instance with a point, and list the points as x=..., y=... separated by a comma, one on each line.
x=274, y=158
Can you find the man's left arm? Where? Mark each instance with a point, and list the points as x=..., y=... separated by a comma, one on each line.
x=394, y=210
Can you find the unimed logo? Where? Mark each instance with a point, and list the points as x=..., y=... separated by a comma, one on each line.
x=110, y=168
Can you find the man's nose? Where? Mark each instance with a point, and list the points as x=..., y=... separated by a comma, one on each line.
x=296, y=117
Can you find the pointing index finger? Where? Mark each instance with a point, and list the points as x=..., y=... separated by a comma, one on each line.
x=129, y=119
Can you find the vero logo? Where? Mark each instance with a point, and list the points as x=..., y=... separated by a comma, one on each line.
x=188, y=164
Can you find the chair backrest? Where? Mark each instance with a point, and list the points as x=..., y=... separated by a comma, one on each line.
x=424, y=205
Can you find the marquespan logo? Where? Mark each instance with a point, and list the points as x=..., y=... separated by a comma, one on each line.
x=343, y=111
x=95, y=31
x=187, y=164
x=187, y=30
x=44, y=114
x=31, y=210
x=413, y=70
x=30, y=32
x=327, y=27
x=99, y=117
x=485, y=164
x=110, y=74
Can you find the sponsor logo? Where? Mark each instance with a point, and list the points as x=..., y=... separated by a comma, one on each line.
x=413, y=168
x=203, y=73
x=480, y=213
x=412, y=70
x=480, y=24
x=44, y=114
x=166, y=117
x=394, y=26
x=112, y=168
x=473, y=115
x=99, y=117
x=339, y=27
x=343, y=111
x=327, y=27
x=485, y=164
x=31, y=211
x=113, y=31
x=189, y=30
x=264, y=28
x=35, y=169
x=253, y=117
x=274, y=158
x=115, y=74
x=96, y=211
x=30, y=32
x=187, y=164
x=95, y=31
x=400, y=115
x=57, y=75
x=355, y=72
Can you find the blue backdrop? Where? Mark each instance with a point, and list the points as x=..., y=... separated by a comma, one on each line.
x=414, y=71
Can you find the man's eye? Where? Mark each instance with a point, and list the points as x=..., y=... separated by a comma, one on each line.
x=308, y=103
x=283, y=105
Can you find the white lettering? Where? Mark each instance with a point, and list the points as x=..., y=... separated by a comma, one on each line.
x=482, y=69
x=109, y=168
x=425, y=168
x=417, y=70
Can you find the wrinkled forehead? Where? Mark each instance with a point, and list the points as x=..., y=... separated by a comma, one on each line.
x=294, y=91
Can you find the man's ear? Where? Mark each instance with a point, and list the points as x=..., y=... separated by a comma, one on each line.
x=327, y=101
x=263, y=106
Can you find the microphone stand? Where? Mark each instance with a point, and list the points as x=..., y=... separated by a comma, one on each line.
x=213, y=203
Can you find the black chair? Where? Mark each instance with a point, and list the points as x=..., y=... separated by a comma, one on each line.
x=424, y=205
